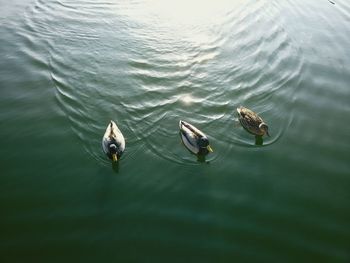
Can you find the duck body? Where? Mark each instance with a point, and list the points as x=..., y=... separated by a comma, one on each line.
x=252, y=122
x=193, y=139
x=113, y=142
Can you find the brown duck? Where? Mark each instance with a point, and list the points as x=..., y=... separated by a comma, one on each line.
x=252, y=122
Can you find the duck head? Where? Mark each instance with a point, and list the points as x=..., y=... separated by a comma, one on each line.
x=113, y=152
x=263, y=126
x=203, y=143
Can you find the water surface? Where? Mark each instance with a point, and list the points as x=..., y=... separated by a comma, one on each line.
x=68, y=67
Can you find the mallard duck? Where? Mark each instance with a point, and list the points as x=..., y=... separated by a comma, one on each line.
x=252, y=122
x=113, y=142
x=194, y=140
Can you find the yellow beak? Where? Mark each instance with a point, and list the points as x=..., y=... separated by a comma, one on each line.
x=114, y=157
x=209, y=149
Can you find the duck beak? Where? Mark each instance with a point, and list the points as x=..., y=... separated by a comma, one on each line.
x=114, y=157
x=209, y=149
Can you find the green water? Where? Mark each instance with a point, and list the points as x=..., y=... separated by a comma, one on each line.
x=68, y=67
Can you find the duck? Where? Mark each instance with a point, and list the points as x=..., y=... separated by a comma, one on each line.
x=193, y=139
x=252, y=122
x=113, y=142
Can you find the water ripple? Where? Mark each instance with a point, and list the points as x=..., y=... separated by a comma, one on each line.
x=155, y=78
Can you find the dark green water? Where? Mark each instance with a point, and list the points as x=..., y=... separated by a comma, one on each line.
x=68, y=67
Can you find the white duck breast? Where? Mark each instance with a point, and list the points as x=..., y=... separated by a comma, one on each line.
x=113, y=136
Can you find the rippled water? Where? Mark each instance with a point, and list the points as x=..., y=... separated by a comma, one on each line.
x=68, y=67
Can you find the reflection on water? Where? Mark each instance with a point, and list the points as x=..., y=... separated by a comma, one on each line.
x=202, y=159
x=259, y=140
x=187, y=99
x=115, y=166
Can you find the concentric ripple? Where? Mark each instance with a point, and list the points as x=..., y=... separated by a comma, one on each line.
x=147, y=73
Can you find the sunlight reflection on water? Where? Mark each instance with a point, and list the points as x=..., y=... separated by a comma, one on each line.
x=187, y=99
